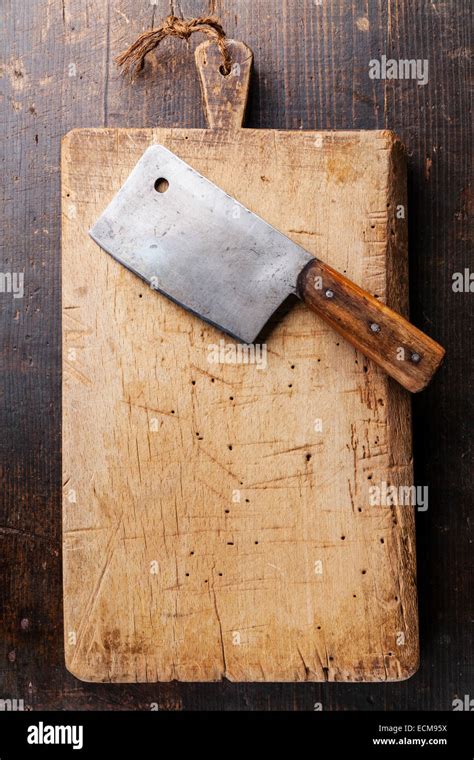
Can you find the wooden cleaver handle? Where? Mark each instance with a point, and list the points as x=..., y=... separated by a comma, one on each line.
x=403, y=351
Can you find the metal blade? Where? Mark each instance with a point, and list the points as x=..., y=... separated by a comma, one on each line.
x=198, y=246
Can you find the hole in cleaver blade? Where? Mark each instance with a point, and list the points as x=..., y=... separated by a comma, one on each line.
x=198, y=246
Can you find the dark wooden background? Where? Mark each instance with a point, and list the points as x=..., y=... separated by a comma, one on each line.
x=311, y=71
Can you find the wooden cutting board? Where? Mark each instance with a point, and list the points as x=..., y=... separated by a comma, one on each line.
x=217, y=515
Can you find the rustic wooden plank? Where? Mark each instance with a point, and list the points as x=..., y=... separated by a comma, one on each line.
x=311, y=71
x=211, y=525
x=44, y=95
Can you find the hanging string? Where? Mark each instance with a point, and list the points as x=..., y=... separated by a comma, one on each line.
x=132, y=60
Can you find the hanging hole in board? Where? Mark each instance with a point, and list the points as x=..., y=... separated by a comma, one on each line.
x=161, y=185
x=223, y=71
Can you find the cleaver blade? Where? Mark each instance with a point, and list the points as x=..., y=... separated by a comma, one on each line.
x=201, y=248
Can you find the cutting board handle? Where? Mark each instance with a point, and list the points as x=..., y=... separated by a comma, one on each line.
x=224, y=95
x=403, y=351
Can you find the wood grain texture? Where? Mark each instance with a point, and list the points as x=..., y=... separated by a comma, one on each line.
x=311, y=67
x=224, y=97
x=248, y=485
x=381, y=334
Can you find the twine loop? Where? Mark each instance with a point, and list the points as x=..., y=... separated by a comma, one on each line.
x=133, y=59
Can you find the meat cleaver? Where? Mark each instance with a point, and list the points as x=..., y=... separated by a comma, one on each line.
x=201, y=248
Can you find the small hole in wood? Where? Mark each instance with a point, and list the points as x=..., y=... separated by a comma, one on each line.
x=161, y=185
x=227, y=511
x=343, y=538
x=255, y=542
x=223, y=71
x=229, y=447
x=382, y=541
x=364, y=572
x=230, y=543
x=187, y=575
x=231, y=398
x=308, y=457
